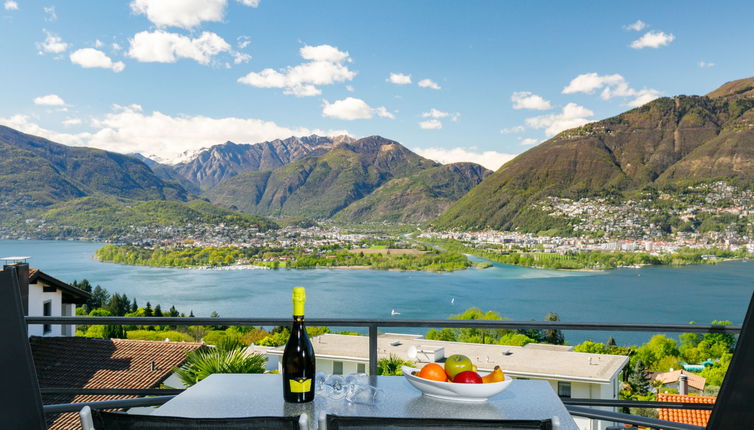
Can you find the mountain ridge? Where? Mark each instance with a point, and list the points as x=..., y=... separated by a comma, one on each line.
x=666, y=141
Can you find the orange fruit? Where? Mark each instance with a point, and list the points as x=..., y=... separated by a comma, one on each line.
x=434, y=372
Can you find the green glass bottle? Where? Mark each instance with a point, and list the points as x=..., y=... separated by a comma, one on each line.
x=298, y=357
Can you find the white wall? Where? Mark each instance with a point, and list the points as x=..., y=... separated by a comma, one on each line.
x=36, y=306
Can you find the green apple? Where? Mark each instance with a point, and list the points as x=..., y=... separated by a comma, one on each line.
x=456, y=364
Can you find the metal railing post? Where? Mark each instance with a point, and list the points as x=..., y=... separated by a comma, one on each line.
x=373, y=350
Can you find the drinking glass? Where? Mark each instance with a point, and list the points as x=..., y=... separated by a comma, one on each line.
x=365, y=394
x=357, y=379
x=335, y=387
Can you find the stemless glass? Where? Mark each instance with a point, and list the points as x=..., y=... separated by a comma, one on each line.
x=365, y=394
x=335, y=387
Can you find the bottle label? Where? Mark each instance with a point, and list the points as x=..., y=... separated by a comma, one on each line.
x=301, y=385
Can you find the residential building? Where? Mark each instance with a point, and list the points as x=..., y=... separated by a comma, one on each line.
x=44, y=295
x=78, y=362
x=571, y=374
x=695, y=383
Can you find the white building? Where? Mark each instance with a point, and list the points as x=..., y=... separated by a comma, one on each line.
x=43, y=295
x=571, y=374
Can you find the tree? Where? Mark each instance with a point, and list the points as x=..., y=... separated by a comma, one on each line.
x=100, y=298
x=553, y=336
x=639, y=379
x=173, y=312
x=157, y=311
x=134, y=306
x=611, y=341
x=148, y=310
x=114, y=332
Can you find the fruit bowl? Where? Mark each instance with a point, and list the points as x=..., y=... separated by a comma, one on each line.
x=455, y=391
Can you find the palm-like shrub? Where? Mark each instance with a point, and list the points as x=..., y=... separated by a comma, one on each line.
x=203, y=362
x=391, y=366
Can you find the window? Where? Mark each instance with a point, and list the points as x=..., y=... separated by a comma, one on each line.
x=337, y=367
x=47, y=311
x=564, y=389
x=361, y=368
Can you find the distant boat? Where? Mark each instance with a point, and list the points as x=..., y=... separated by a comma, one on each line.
x=453, y=301
x=393, y=312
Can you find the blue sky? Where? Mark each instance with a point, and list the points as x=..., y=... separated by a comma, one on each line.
x=163, y=77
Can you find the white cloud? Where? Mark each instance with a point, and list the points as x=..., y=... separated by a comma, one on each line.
x=50, y=13
x=243, y=42
x=324, y=53
x=164, y=47
x=612, y=86
x=49, y=100
x=325, y=67
x=529, y=141
x=116, y=46
x=652, y=39
x=512, y=130
x=250, y=3
x=434, y=113
x=349, y=88
x=489, y=159
x=432, y=124
x=399, y=79
x=529, y=100
x=10, y=5
x=53, y=44
x=128, y=129
x=571, y=116
x=71, y=121
x=639, y=25
x=92, y=58
x=429, y=83
x=180, y=13
x=704, y=64
x=351, y=108
x=98, y=44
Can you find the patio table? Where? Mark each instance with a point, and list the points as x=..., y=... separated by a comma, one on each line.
x=246, y=395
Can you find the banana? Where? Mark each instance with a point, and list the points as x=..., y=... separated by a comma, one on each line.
x=496, y=375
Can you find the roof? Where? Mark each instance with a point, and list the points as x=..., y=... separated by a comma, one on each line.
x=524, y=361
x=77, y=362
x=685, y=416
x=694, y=380
x=70, y=293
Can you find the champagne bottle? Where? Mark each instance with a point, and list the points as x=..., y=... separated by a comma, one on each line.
x=298, y=357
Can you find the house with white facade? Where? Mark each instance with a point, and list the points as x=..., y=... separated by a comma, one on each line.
x=44, y=295
x=571, y=374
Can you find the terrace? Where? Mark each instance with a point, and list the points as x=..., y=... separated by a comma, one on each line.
x=731, y=410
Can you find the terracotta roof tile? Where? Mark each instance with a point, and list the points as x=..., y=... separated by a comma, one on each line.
x=694, y=380
x=695, y=417
x=76, y=362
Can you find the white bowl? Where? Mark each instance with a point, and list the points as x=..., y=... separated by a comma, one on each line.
x=455, y=391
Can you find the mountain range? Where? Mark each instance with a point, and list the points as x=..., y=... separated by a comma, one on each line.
x=669, y=141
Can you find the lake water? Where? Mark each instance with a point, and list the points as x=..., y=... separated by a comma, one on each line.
x=650, y=295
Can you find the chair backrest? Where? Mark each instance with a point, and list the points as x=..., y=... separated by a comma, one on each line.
x=336, y=422
x=20, y=397
x=735, y=402
x=123, y=421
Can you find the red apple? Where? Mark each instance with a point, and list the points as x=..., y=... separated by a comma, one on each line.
x=468, y=377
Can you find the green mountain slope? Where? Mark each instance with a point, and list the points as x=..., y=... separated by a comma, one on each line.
x=320, y=186
x=111, y=216
x=669, y=140
x=36, y=172
x=417, y=198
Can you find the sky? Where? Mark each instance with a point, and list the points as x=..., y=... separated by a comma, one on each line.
x=470, y=80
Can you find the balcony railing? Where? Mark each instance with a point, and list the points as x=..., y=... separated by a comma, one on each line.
x=163, y=395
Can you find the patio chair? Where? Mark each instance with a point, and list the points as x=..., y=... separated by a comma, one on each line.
x=93, y=419
x=733, y=407
x=336, y=422
x=20, y=397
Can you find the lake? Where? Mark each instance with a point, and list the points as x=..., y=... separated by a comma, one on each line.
x=649, y=295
